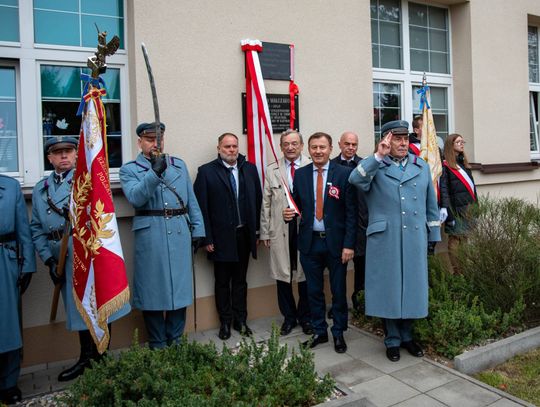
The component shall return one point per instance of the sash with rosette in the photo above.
(415, 148)
(462, 175)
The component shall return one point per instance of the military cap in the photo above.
(58, 142)
(396, 127)
(148, 128)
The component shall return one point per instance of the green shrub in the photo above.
(194, 374)
(457, 318)
(501, 257)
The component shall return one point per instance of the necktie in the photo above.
(292, 171)
(401, 167)
(319, 198)
(233, 182)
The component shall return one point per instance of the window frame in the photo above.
(28, 57)
(13, 64)
(534, 87)
(407, 78)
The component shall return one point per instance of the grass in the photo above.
(519, 376)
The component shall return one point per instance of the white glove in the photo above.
(443, 214)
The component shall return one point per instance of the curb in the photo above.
(498, 352)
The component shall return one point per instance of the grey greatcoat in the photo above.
(273, 227)
(14, 220)
(403, 217)
(163, 277)
(45, 222)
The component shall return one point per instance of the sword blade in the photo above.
(154, 96)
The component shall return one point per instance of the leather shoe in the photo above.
(413, 348)
(286, 328)
(74, 371)
(315, 340)
(307, 328)
(392, 353)
(242, 328)
(10, 396)
(339, 344)
(224, 331)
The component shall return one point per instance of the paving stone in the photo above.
(61, 363)
(363, 346)
(26, 384)
(33, 368)
(424, 376)
(377, 358)
(385, 391)
(462, 393)
(326, 357)
(419, 401)
(352, 372)
(505, 403)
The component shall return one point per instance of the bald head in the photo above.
(348, 144)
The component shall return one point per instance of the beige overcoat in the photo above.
(273, 227)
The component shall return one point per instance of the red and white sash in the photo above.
(462, 175)
(415, 148)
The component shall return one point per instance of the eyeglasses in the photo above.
(460, 142)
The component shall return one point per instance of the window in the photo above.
(409, 39)
(73, 22)
(8, 121)
(9, 20)
(61, 90)
(40, 85)
(534, 91)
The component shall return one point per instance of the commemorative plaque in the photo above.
(275, 61)
(279, 106)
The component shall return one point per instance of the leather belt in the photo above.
(8, 237)
(161, 212)
(321, 235)
(55, 234)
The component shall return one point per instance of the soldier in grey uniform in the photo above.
(50, 201)
(167, 221)
(17, 262)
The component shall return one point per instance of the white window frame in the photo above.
(14, 64)
(28, 57)
(407, 78)
(535, 87)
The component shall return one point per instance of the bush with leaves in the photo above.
(194, 374)
(501, 256)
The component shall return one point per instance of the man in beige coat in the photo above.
(281, 237)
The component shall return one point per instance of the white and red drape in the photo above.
(259, 126)
(100, 285)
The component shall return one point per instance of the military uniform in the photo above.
(167, 217)
(16, 259)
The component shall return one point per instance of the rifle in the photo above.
(60, 269)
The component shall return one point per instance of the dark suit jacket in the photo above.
(362, 207)
(218, 206)
(340, 214)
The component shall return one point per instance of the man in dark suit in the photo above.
(228, 190)
(348, 145)
(326, 235)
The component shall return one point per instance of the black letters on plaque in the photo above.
(275, 61)
(280, 112)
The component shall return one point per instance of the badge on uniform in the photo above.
(333, 192)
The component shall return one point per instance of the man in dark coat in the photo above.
(348, 145)
(326, 235)
(229, 193)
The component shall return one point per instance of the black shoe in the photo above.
(392, 353)
(10, 396)
(74, 371)
(315, 340)
(413, 348)
(286, 328)
(330, 314)
(307, 328)
(242, 328)
(339, 344)
(224, 331)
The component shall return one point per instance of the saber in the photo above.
(194, 289)
(154, 97)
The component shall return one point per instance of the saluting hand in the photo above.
(383, 149)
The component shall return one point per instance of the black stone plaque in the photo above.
(280, 112)
(275, 61)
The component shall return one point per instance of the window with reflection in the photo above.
(9, 20)
(428, 38)
(439, 108)
(386, 105)
(386, 33)
(61, 90)
(534, 89)
(8, 121)
(73, 22)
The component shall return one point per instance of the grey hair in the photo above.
(290, 131)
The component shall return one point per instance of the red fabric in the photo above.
(319, 199)
(293, 90)
(457, 173)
